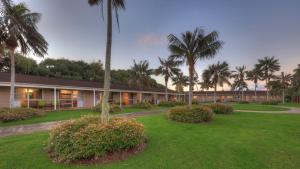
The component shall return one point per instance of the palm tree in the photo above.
(285, 80)
(216, 74)
(239, 83)
(116, 5)
(296, 79)
(192, 47)
(180, 81)
(19, 29)
(254, 75)
(168, 68)
(268, 65)
(141, 74)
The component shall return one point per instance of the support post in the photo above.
(28, 103)
(120, 100)
(94, 92)
(54, 99)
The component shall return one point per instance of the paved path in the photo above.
(31, 128)
(292, 110)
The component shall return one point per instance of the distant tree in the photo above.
(268, 66)
(296, 81)
(216, 74)
(180, 81)
(239, 83)
(141, 74)
(254, 75)
(194, 46)
(285, 81)
(168, 68)
(19, 30)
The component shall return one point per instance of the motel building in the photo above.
(58, 93)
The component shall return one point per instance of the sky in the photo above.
(250, 30)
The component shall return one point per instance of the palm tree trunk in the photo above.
(283, 101)
(191, 78)
(105, 104)
(12, 78)
(255, 96)
(267, 89)
(166, 90)
(215, 94)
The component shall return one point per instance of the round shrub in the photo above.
(143, 105)
(89, 139)
(14, 114)
(113, 108)
(194, 114)
(219, 108)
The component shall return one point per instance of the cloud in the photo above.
(152, 40)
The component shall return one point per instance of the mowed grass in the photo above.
(240, 140)
(258, 107)
(297, 105)
(66, 115)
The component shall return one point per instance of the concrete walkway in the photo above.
(292, 110)
(31, 128)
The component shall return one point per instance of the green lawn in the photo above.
(240, 140)
(65, 115)
(258, 107)
(291, 105)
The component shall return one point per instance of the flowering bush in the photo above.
(87, 138)
(14, 114)
(113, 108)
(143, 105)
(219, 108)
(194, 114)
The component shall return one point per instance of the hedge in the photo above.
(14, 114)
(219, 108)
(194, 114)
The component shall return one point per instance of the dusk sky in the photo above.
(251, 29)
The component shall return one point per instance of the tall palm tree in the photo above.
(216, 74)
(285, 81)
(115, 5)
(19, 29)
(268, 65)
(254, 75)
(168, 68)
(296, 79)
(239, 83)
(194, 46)
(141, 74)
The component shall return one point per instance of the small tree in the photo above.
(285, 80)
(254, 75)
(168, 68)
(216, 74)
(239, 83)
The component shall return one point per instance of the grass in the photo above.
(297, 105)
(65, 115)
(240, 140)
(258, 107)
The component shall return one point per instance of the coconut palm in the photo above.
(267, 66)
(141, 74)
(254, 75)
(239, 83)
(115, 5)
(216, 74)
(168, 68)
(19, 30)
(285, 80)
(180, 81)
(194, 46)
(296, 79)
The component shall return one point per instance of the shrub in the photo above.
(243, 102)
(143, 105)
(194, 114)
(87, 138)
(41, 103)
(7, 115)
(170, 104)
(271, 102)
(113, 108)
(221, 108)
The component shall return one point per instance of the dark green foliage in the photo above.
(87, 138)
(7, 115)
(143, 105)
(170, 104)
(219, 108)
(194, 114)
(243, 102)
(113, 108)
(271, 102)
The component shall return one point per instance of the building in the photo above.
(59, 93)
